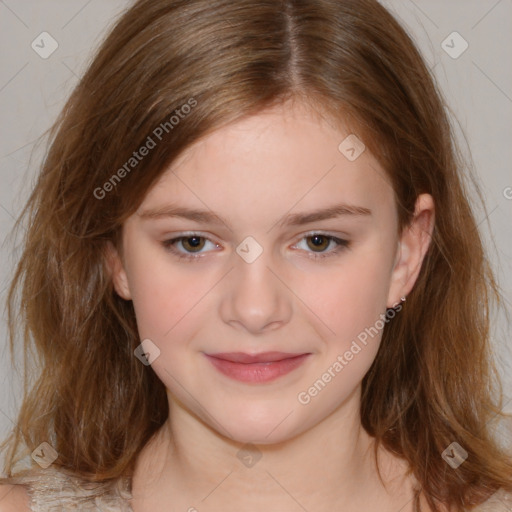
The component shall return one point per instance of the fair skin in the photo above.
(253, 173)
(315, 455)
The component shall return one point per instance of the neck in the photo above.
(196, 467)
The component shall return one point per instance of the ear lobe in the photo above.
(117, 272)
(412, 247)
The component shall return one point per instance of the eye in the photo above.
(322, 241)
(192, 243)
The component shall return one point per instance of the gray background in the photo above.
(477, 86)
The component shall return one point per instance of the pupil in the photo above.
(317, 240)
(193, 242)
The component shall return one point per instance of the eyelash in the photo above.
(342, 245)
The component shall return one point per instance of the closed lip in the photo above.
(263, 357)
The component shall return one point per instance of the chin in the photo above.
(260, 426)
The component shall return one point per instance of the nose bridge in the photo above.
(256, 297)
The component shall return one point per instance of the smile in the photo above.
(258, 368)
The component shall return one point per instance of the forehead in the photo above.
(280, 159)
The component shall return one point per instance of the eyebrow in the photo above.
(294, 219)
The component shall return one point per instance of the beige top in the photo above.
(55, 490)
(52, 490)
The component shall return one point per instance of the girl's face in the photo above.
(267, 236)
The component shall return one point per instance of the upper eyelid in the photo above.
(187, 234)
(190, 234)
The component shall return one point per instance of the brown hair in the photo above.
(432, 381)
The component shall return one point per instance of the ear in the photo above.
(117, 271)
(412, 247)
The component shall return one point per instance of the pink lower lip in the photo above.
(257, 372)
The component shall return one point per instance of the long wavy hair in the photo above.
(433, 381)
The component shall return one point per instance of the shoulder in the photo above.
(14, 498)
(501, 501)
(56, 489)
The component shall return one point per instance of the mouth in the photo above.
(257, 368)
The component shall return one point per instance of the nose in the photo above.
(255, 298)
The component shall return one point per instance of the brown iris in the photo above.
(196, 244)
(316, 238)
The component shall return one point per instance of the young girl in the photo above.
(253, 278)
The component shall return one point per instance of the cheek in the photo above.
(164, 296)
(350, 296)
(350, 301)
